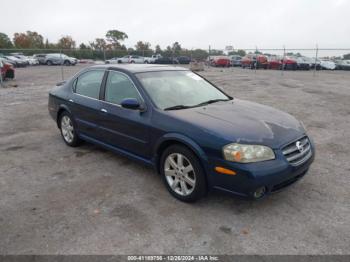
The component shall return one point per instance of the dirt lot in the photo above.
(59, 200)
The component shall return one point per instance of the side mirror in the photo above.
(131, 103)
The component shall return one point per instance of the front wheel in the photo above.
(67, 128)
(183, 174)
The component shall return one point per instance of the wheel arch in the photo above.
(178, 139)
(62, 108)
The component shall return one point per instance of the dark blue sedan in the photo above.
(196, 136)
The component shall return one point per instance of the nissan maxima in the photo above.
(194, 134)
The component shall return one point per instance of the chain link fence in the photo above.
(91, 56)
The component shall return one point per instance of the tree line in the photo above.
(100, 48)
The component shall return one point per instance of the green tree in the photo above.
(176, 48)
(142, 46)
(83, 46)
(158, 50)
(239, 52)
(168, 52)
(98, 44)
(115, 37)
(5, 41)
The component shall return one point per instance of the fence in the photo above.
(194, 53)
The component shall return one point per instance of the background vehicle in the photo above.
(274, 62)
(17, 62)
(235, 60)
(327, 64)
(60, 59)
(302, 64)
(40, 58)
(132, 59)
(289, 63)
(165, 60)
(254, 61)
(7, 70)
(183, 60)
(343, 64)
(313, 63)
(152, 59)
(113, 60)
(29, 59)
(222, 61)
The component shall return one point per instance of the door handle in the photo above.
(71, 100)
(104, 110)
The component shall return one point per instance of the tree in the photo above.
(239, 52)
(66, 42)
(216, 52)
(176, 48)
(168, 51)
(83, 46)
(5, 41)
(28, 40)
(142, 46)
(115, 37)
(158, 49)
(98, 44)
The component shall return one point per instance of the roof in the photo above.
(139, 68)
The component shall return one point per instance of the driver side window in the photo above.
(119, 87)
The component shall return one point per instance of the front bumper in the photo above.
(274, 175)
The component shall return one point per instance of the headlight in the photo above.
(247, 153)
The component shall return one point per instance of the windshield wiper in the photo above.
(212, 101)
(177, 107)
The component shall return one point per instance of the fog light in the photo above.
(260, 192)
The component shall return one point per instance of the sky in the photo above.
(193, 23)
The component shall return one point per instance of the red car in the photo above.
(7, 70)
(253, 60)
(289, 63)
(221, 61)
(275, 62)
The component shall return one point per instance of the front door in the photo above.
(124, 128)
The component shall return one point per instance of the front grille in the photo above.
(298, 151)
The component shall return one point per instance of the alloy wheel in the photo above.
(179, 174)
(67, 129)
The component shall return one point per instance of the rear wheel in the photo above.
(182, 174)
(49, 62)
(67, 128)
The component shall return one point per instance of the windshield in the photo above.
(173, 88)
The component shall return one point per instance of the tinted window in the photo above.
(119, 87)
(89, 83)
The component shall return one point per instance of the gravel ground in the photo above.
(60, 200)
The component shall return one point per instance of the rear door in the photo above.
(124, 128)
(85, 101)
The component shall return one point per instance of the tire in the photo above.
(67, 63)
(49, 62)
(187, 186)
(146, 62)
(68, 127)
(132, 62)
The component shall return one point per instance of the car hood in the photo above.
(243, 122)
